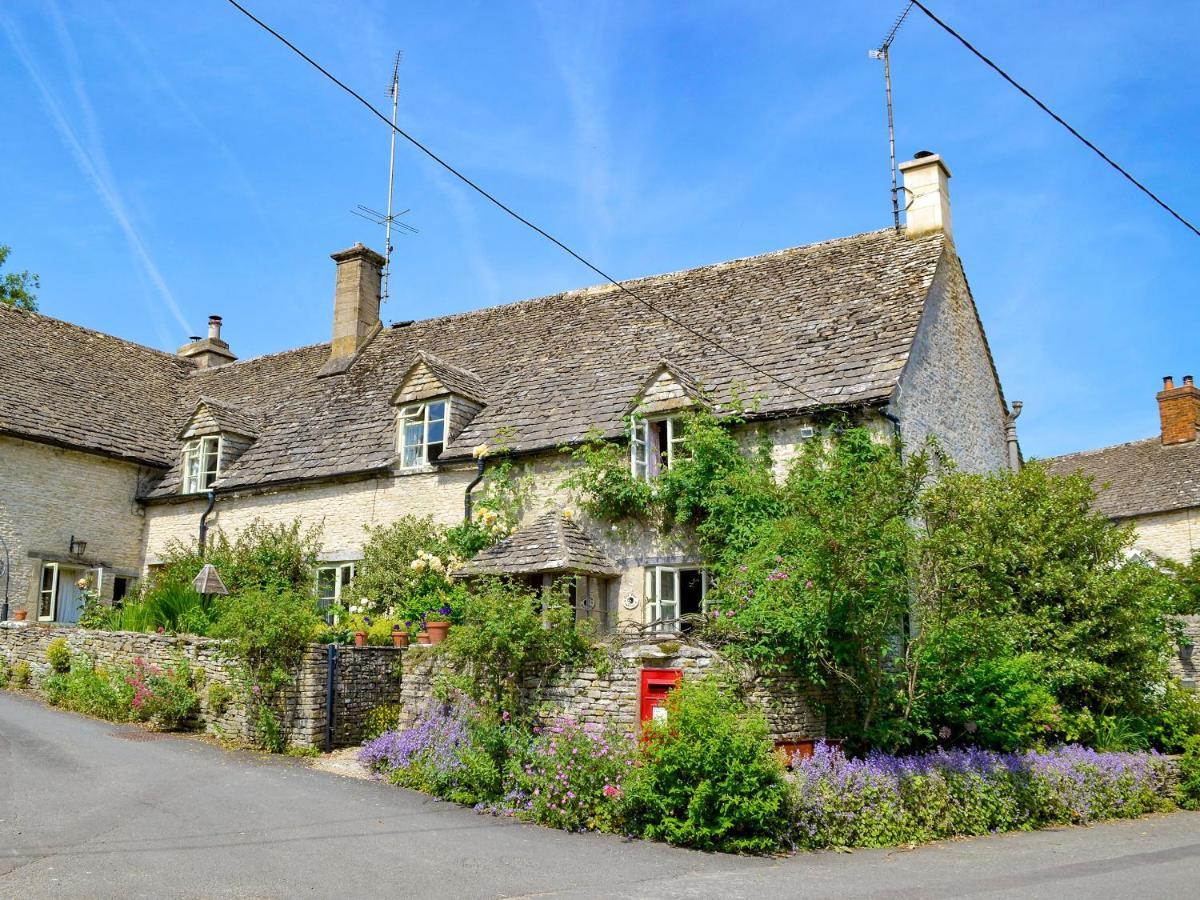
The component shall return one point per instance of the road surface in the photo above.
(93, 809)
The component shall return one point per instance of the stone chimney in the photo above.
(1179, 410)
(204, 353)
(355, 305)
(925, 196)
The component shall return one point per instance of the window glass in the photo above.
(638, 455)
(46, 594)
(201, 463)
(331, 581)
(422, 433)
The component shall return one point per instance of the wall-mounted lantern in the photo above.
(77, 547)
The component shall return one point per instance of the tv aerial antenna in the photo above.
(882, 53)
(390, 218)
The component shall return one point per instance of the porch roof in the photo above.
(550, 543)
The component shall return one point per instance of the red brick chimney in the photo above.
(1179, 410)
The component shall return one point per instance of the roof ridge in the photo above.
(182, 363)
(1095, 450)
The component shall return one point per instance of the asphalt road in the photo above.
(86, 811)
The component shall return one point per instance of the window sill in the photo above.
(422, 469)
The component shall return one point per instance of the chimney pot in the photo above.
(214, 328)
(1168, 382)
(1187, 381)
(926, 195)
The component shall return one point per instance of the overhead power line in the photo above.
(520, 218)
(1055, 116)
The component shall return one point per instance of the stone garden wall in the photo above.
(1185, 665)
(365, 678)
(590, 694)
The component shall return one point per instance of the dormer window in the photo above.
(201, 463)
(654, 445)
(422, 432)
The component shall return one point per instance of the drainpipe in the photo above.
(331, 664)
(212, 501)
(1010, 436)
(895, 427)
(7, 567)
(470, 487)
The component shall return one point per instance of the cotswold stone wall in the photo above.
(1185, 665)
(364, 678)
(1174, 535)
(948, 389)
(591, 694)
(48, 496)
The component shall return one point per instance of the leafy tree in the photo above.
(17, 288)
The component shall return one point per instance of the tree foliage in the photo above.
(18, 288)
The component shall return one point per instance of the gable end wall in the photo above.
(948, 389)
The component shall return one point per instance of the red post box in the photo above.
(656, 684)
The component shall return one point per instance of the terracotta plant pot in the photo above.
(19, 615)
(399, 638)
(437, 631)
(360, 639)
(423, 637)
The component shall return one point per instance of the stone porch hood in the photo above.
(549, 544)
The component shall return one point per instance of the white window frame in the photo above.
(646, 457)
(343, 577)
(202, 451)
(656, 613)
(51, 569)
(414, 413)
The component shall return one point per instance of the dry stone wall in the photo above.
(612, 692)
(365, 677)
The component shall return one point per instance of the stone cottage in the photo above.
(1153, 483)
(109, 451)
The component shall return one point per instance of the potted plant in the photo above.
(400, 634)
(19, 615)
(360, 639)
(437, 622)
(423, 633)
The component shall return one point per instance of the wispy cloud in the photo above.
(89, 154)
(581, 48)
(464, 208)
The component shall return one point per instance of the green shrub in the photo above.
(384, 717)
(265, 632)
(164, 698)
(88, 690)
(4, 674)
(506, 630)
(219, 697)
(1189, 774)
(58, 655)
(708, 776)
(573, 776)
(22, 674)
(1174, 718)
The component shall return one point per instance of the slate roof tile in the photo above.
(550, 543)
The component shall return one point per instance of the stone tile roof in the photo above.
(228, 418)
(453, 378)
(837, 319)
(550, 543)
(75, 387)
(1138, 478)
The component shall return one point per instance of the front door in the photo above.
(70, 601)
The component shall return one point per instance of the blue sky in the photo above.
(164, 161)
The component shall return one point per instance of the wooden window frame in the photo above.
(206, 451)
(652, 596)
(419, 413)
(647, 458)
(48, 568)
(343, 577)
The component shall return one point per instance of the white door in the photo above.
(70, 600)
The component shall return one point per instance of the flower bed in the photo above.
(885, 800)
